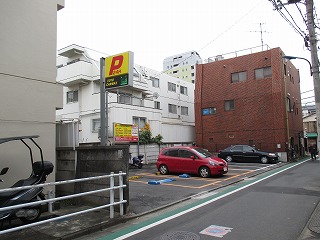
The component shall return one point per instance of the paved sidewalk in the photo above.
(312, 228)
(66, 228)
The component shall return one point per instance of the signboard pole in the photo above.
(138, 135)
(102, 104)
(106, 121)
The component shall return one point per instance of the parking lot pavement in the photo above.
(145, 196)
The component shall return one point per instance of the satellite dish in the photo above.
(155, 95)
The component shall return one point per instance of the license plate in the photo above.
(225, 169)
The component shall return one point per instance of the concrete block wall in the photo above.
(91, 161)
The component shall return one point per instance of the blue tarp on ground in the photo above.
(155, 182)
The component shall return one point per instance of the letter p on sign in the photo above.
(117, 65)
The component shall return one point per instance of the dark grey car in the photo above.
(245, 153)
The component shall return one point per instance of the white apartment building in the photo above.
(29, 93)
(165, 102)
(182, 66)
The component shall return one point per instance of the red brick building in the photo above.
(252, 99)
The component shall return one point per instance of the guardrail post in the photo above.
(112, 195)
(50, 204)
(121, 192)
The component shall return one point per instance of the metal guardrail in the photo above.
(51, 199)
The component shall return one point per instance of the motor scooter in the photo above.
(136, 161)
(40, 171)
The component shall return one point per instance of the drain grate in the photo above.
(180, 235)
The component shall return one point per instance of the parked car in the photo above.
(190, 159)
(245, 153)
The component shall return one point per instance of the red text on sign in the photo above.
(115, 65)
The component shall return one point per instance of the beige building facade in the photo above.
(29, 93)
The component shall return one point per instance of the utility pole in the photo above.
(315, 62)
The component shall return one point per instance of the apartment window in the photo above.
(229, 105)
(172, 87)
(95, 125)
(192, 74)
(183, 90)
(72, 96)
(192, 67)
(209, 111)
(124, 98)
(172, 108)
(288, 105)
(96, 87)
(157, 105)
(155, 82)
(238, 77)
(262, 73)
(175, 72)
(184, 111)
(139, 121)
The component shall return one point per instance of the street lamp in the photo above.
(292, 57)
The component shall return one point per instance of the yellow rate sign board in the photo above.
(125, 133)
(119, 70)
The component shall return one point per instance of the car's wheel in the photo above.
(228, 158)
(264, 159)
(163, 169)
(204, 172)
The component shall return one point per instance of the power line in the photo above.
(293, 25)
(308, 91)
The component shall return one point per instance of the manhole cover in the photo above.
(181, 235)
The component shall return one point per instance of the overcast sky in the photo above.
(154, 30)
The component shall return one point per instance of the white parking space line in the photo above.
(239, 169)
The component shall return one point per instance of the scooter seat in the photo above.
(21, 183)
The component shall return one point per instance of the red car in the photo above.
(190, 159)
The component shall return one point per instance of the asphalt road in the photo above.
(273, 205)
(145, 197)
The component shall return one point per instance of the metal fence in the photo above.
(52, 199)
